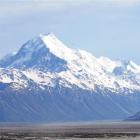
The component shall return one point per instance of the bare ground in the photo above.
(71, 131)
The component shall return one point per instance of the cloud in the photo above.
(35, 4)
(122, 2)
(16, 7)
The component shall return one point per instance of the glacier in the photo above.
(46, 81)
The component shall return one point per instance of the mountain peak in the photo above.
(56, 47)
(51, 34)
(47, 53)
(43, 52)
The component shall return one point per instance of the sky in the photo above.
(108, 28)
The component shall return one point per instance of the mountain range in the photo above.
(46, 81)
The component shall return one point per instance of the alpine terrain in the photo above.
(45, 81)
(135, 117)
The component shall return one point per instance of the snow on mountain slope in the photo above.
(108, 64)
(66, 81)
(46, 55)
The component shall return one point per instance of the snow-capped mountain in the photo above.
(47, 81)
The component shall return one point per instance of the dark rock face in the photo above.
(36, 55)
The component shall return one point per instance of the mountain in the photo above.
(135, 117)
(45, 81)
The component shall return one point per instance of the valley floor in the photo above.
(71, 131)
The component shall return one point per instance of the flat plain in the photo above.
(71, 131)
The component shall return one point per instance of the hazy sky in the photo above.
(104, 27)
